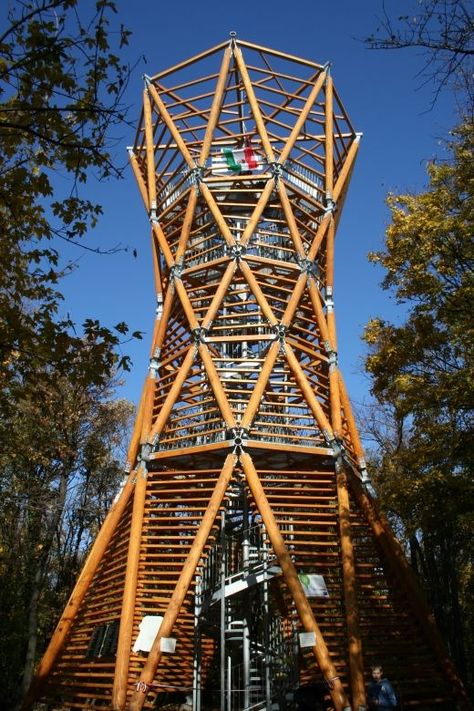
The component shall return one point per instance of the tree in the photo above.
(61, 98)
(444, 31)
(61, 463)
(61, 89)
(423, 374)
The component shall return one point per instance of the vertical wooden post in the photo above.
(356, 661)
(150, 151)
(80, 589)
(119, 692)
(329, 147)
(139, 178)
(296, 589)
(351, 423)
(184, 581)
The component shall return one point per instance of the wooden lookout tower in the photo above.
(243, 563)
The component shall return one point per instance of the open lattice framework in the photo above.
(243, 157)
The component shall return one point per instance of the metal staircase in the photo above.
(255, 657)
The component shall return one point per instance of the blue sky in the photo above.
(384, 98)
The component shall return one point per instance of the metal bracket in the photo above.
(239, 437)
(308, 267)
(237, 251)
(279, 329)
(332, 358)
(153, 215)
(329, 300)
(145, 454)
(199, 335)
(153, 367)
(196, 175)
(276, 169)
(176, 271)
(330, 205)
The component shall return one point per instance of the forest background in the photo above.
(67, 75)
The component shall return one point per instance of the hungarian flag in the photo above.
(236, 160)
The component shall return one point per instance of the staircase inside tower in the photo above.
(243, 532)
(237, 604)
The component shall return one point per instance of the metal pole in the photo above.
(229, 683)
(197, 647)
(266, 633)
(222, 646)
(245, 627)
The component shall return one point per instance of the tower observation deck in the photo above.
(244, 564)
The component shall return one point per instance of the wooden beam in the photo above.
(303, 607)
(80, 589)
(356, 660)
(184, 581)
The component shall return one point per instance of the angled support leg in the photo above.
(305, 612)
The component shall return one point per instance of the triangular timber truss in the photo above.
(244, 522)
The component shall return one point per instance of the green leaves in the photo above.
(57, 111)
(422, 374)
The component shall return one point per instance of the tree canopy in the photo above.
(423, 375)
(61, 89)
(61, 101)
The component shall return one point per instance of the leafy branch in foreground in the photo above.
(62, 83)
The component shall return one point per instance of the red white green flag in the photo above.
(236, 160)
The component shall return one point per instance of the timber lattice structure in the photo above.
(244, 526)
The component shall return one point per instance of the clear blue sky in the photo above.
(381, 92)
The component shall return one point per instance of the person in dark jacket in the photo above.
(381, 695)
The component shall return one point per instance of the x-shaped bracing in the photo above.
(241, 461)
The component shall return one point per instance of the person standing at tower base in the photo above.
(381, 695)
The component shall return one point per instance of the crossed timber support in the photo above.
(243, 173)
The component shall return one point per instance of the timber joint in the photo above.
(176, 271)
(279, 329)
(239, 437)
(308, 266)
(237, 251)
(276, 169)
(197, 175)
(199, 335)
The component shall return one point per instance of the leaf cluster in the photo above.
(61, 97)
(61, 461)
(422, 374)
